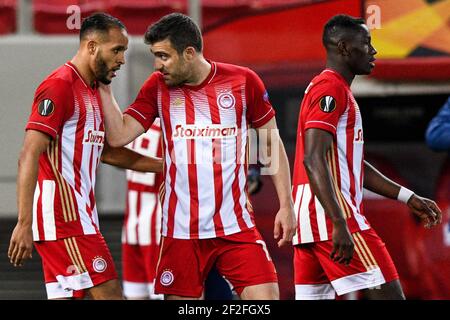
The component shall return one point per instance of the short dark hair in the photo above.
(181, 30)
(338, 26)
(101, 22)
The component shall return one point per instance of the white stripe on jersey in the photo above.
(344, 170)
(242, 176)
(132, 220)
(68, 138)
(34, 225)
(204, 163)
(157, 228)
(148, 203)
(85, 219)
(86, 153)
(305, 223)
(228, 155)
(298, 196)
(48, 213)
(321, 221)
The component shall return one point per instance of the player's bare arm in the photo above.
(285, 221)
(128, 159)
(21, 243)
(426, 209)
(120, 129)
(317, 144)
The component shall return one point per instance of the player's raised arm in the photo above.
(426, 209)
(128, 159)
(285, 221)
(21, 243)
(120, 129)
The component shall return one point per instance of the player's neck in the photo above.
(200, 73)
(83, 68)
(342, 70)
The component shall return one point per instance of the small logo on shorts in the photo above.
(99, 264)
(166, 278)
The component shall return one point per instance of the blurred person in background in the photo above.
(438, 132)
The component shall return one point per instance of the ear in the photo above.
(91, 46)
(343, 48)
(189, 53)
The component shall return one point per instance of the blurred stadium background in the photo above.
(281, 40)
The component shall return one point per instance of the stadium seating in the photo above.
(218, 11)
(50, 16)
(7, 16)
(137, 15)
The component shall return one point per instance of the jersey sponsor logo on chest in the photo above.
(212, 131)
(94, 137)
(359, 138)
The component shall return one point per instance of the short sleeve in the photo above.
(326, 102)
(145, 108)
(53, 104)
(259, 108)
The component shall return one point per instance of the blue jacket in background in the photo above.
(438, 132)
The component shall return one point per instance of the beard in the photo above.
(101, 70)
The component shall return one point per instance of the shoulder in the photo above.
(324, 84)
(231, 70)
(153, 81)
(57, 87)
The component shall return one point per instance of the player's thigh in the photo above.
(75, 263)
(245, 262)
(371, 265)
(311, 281)
(180, 269)
(109, 290)
(264, 291)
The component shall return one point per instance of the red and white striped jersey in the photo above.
(205, 144)
(142, 223)
(328, 104)
(68, 110)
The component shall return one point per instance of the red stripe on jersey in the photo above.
(138, 213)
(192, 170)
(236, 191)
(78, 152)
(154, 216)
(125, 221)
(313, 216)
(165, 97)
(217, 163)
(298, 212)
